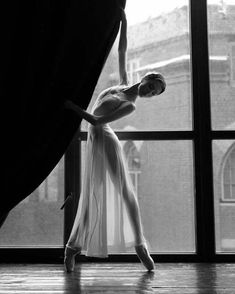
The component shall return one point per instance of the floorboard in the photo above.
(195, 278)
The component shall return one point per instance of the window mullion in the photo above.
(72, 174)
(202, 128)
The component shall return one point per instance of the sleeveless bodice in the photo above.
(108, 101)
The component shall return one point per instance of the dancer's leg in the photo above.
(119, 173)
(73, 247)
(69, 257)
(118, 169)
(134, 212)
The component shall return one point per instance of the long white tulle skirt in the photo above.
(102, 223)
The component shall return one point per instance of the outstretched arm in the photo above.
(124, 109)
(122, 48)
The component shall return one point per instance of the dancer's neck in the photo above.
(131, 92)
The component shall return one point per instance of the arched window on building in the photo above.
(133, 75)
(232, 64)
(229, 177)
(49, 188)
(133, 160)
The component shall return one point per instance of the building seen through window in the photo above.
(132, 71)
(134, 163)
(232, 61)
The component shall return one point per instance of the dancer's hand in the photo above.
(123, 14)
(92, 119)
(122, 49)
(69, 104)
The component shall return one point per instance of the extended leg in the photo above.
(118, 169)
(119, 173)
(134, 213)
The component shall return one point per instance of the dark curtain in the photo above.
(51, 51)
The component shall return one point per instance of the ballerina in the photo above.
(108, 215)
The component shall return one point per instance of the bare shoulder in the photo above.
(111, 90)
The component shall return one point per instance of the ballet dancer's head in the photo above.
(153, 83)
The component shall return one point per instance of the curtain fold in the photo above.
(51, 51)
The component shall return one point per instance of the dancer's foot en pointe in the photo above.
(69, 257)
(144, 256)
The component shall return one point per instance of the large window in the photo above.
(168, 139)
(162, 171)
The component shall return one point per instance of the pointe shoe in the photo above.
(145, 258)
(69, 257)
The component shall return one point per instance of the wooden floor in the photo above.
(118, 278)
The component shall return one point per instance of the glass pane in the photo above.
(233, 191)
(221, 30)
(158, 40)
(37, 221)
(163, 177)
(224, 196)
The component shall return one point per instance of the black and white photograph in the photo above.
(118, 135)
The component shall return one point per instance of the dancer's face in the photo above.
(149, 87)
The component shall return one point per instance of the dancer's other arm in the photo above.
(124, 109)
(122, 48)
